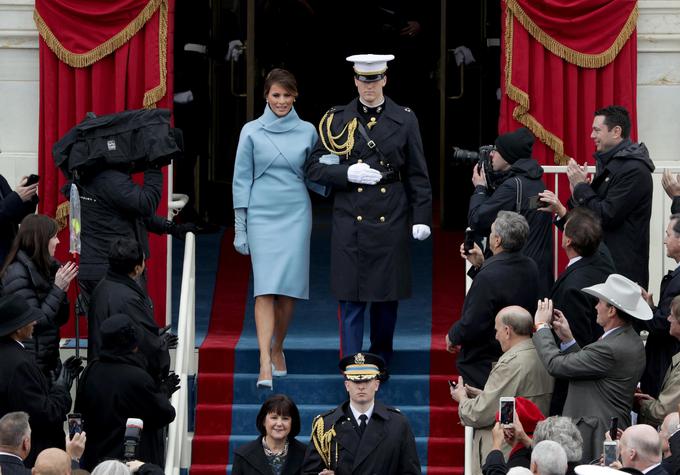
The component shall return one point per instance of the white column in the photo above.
(658, 104)
(18, 90)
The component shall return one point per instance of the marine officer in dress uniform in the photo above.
(362, 435)
(371, 154)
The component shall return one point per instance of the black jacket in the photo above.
(485, 205)
(114, 206)
(120, 294)
(22, 277)
(579, 307)
(387, 446)
(12, 211)
(661, 346)
(371, 238)
(621, 196)
(249, 459)
(23, 387)
(10, 465)
(508, 278)
(111, 390)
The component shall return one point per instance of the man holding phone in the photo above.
(14, 206)
(519, 372)
(602, 375)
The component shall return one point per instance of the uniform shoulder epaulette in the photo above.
(393, 409)
(335, 109)
(324, 414)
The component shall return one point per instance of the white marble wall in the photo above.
(18, 90)
(658, 106)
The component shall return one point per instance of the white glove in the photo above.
(363, 174)
(240, 237)
(421, 232)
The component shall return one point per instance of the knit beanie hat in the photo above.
(515, 145)
(119, 334)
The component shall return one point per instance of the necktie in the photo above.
(362, 424)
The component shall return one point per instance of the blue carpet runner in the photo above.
(228, 400)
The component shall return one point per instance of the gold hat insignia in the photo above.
(359, 359)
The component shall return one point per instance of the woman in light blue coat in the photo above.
(273, 215)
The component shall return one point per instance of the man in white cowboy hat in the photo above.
(602, 375)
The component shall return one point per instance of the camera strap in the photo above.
(518, 200)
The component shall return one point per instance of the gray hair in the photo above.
(519, 319)
(111, 467)
(549, 458)
(562, 430)
(513, 230)
(13, 428)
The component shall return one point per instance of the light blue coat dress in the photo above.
(269, 182)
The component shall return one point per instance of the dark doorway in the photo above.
(311, 38)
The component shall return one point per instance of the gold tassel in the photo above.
(521, 112)
(323, 440)
(152, 96)
(81, 60)
(583, 60)
(61, 215)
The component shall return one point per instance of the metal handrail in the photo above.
(556, 171)
(178, 453)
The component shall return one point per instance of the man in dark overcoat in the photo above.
(620, 193)
(589, 264)
(506, 278)
(119, 292)
(371, 154)
(362, 436)
(23, 386)
(118, 382)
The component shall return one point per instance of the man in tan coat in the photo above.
(652, 411)
(518, 372)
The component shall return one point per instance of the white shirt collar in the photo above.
(609, 331)
(651, 467)
(574, 260)
(356, 414)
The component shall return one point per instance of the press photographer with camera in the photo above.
(511, 181)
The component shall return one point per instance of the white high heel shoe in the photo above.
(279, 373)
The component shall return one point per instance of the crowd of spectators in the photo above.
(607, 354)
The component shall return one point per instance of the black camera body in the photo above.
(480, 158)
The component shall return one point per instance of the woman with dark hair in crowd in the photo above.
(276, 451)
(31, 271)
(273, 215)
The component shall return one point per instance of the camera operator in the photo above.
(114, 206)
(118, 382)
(518, 183)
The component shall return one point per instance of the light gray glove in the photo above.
(363, 174)
(240, 236)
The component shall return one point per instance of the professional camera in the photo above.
(131, 140)
(482, 159)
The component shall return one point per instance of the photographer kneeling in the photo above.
(515, 187)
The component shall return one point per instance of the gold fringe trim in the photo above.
(152, 96)
(81, 60)
(61, 215)
(583, 60)
(521, 112)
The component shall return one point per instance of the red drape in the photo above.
(103, 57)
(561, 62)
